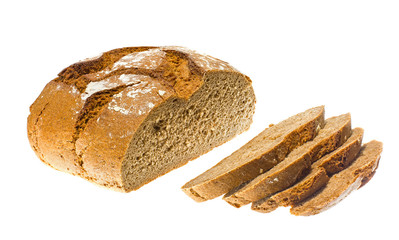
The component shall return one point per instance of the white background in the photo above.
(299, 54)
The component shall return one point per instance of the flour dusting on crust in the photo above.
(138, 99)
(94, 87)
(111, 82)
(149, 59)
(202, 60)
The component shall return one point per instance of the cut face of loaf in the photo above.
(257, 156)
(182, 130)
(131, 115)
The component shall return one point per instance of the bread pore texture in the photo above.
(130, 115)
(182, 130)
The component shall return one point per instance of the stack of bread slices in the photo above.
(306, 162)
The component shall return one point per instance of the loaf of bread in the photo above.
(130, 115)
(257, 156)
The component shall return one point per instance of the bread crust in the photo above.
(50, 131)
(83, 121)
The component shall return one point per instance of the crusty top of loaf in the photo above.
(103, 100)
(176, 67)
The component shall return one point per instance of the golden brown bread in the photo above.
(117, 120)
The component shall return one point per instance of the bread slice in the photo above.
(343, 183)
(258, 155)
(343, 156)
(317, 178)
(336, 131)
(133, 114)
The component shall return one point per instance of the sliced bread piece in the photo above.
(344, 182)
(260, 154)
(344, 156)
(336, 131)
(317, 178)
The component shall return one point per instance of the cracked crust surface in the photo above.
(72, 123)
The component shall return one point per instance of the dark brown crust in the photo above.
(71, 74)
(75, 74)
(77, 151)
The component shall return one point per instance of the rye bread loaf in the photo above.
(133, 114)
(257, 156)
(343, 183)
(296, 165)
(318, 177)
